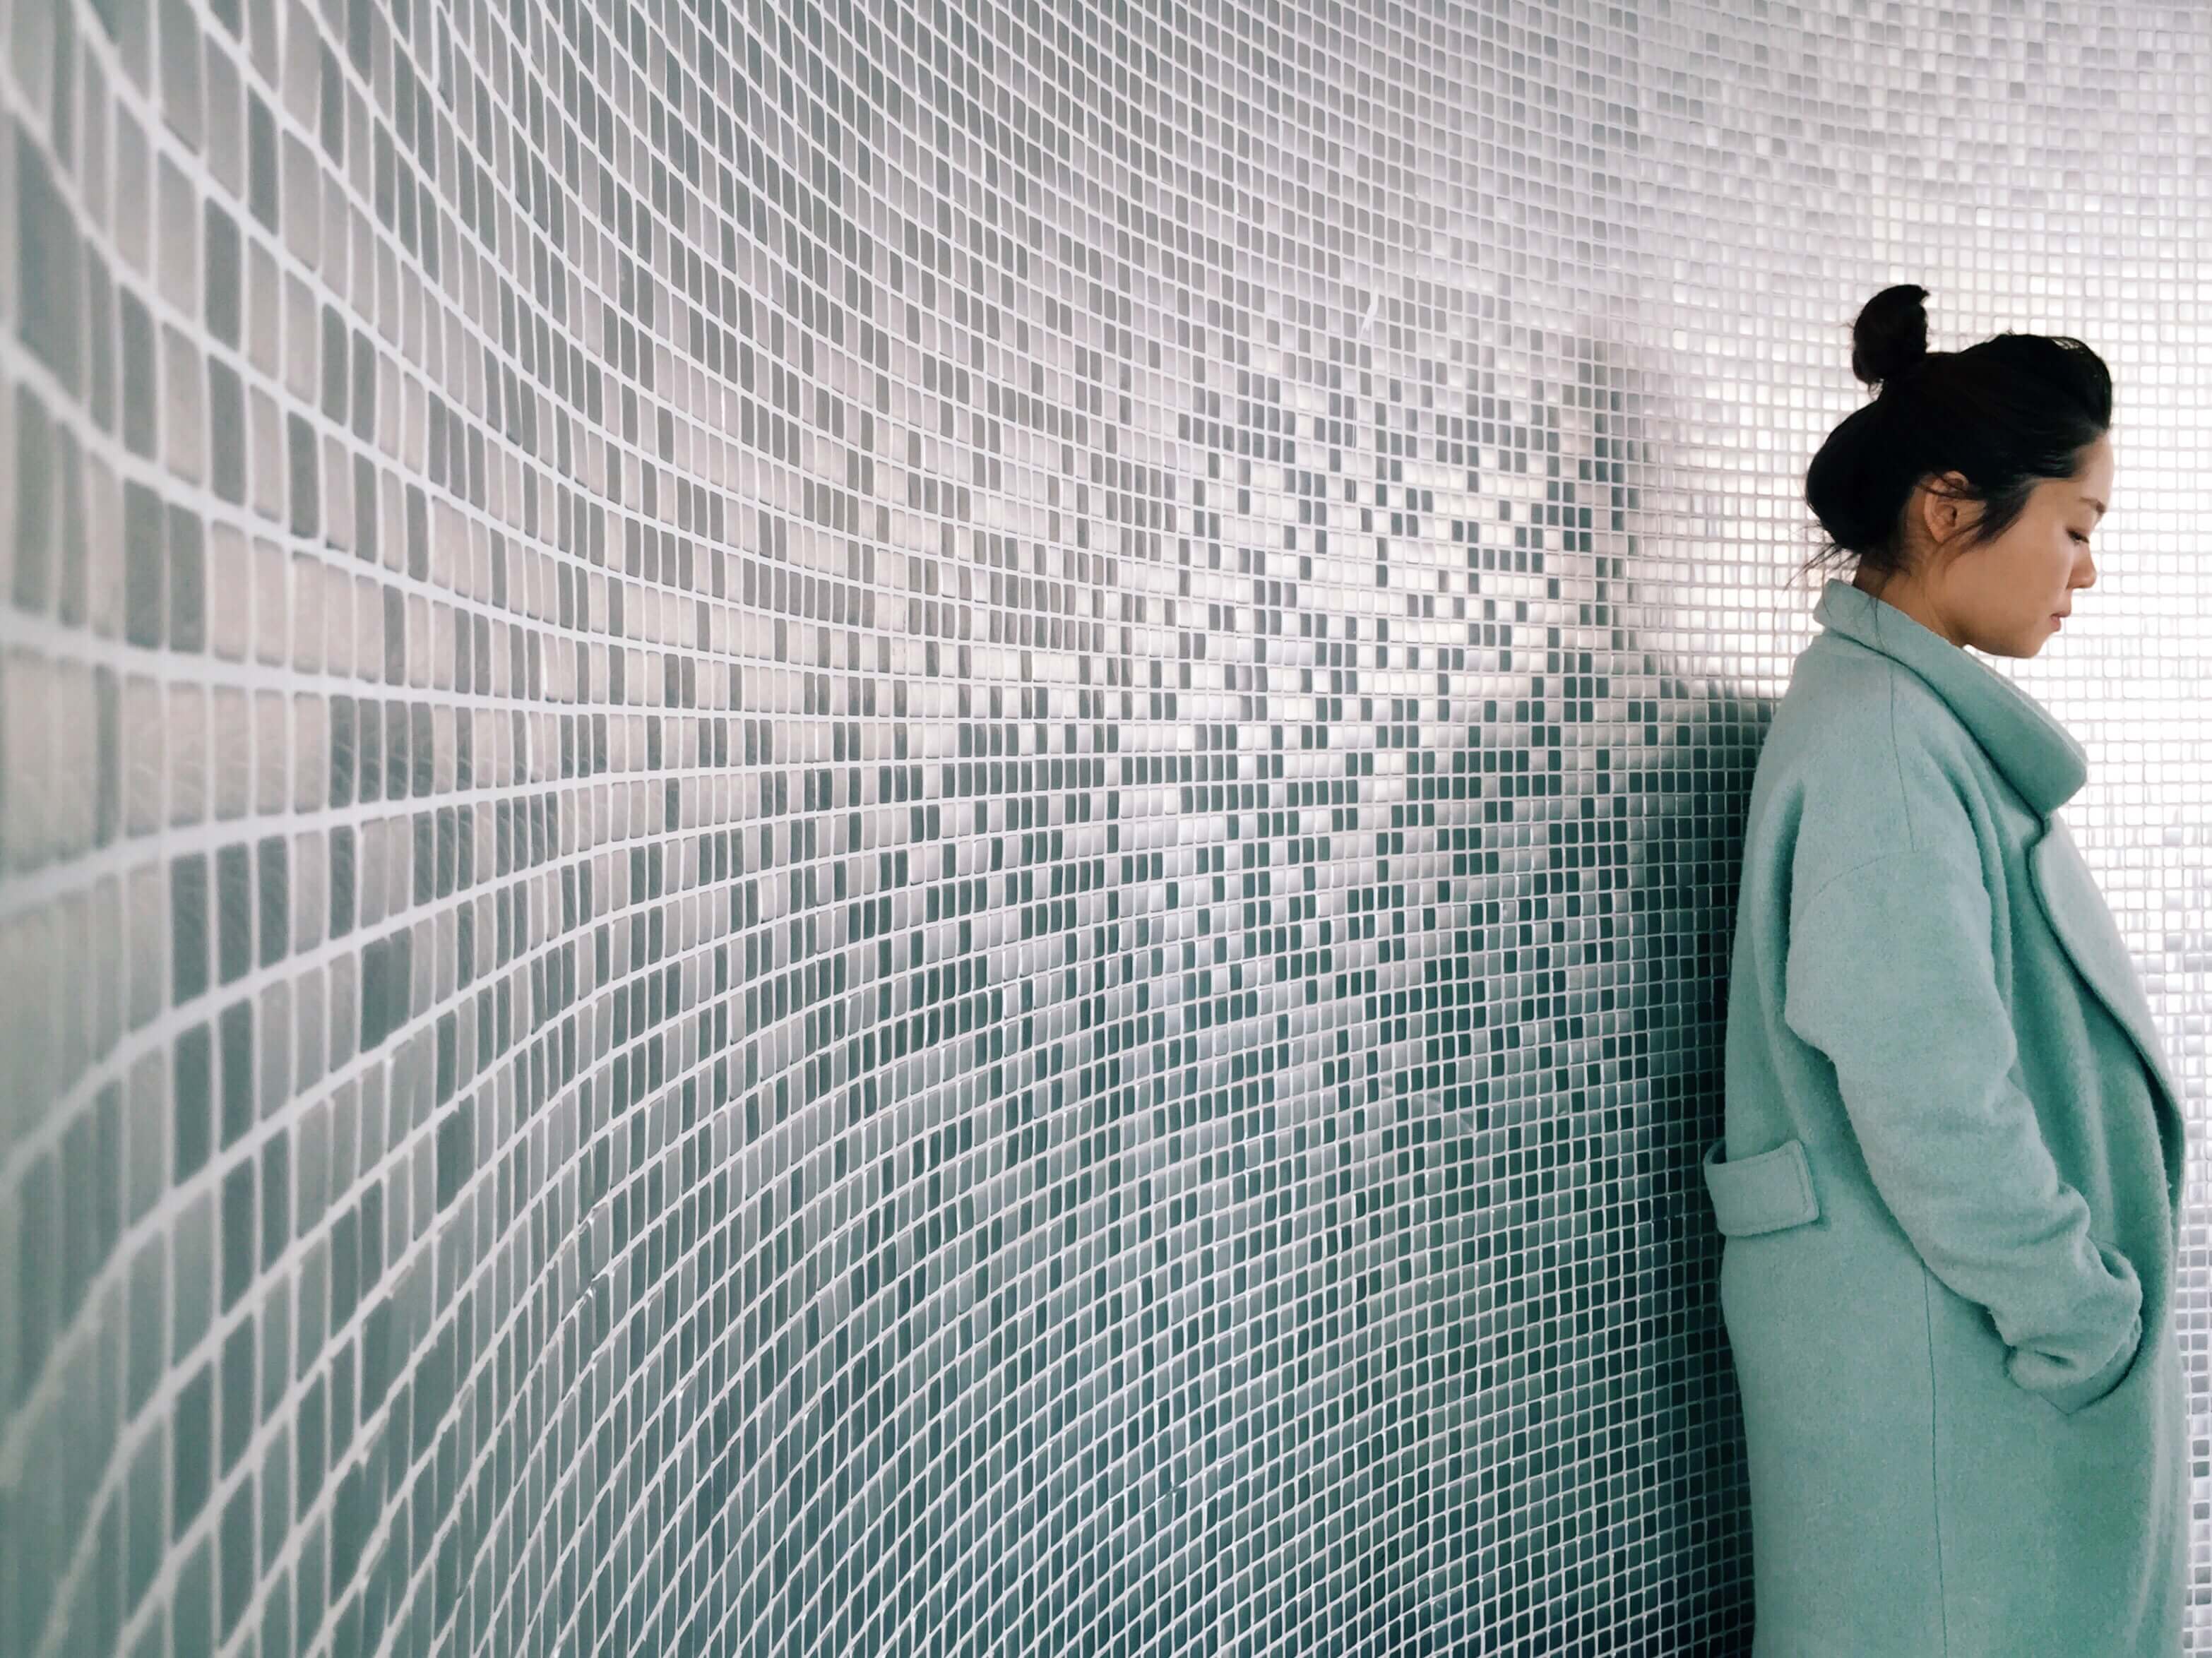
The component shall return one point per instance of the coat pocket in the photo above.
(2094, 1390)
(1762, 1194)
(2035, 1372)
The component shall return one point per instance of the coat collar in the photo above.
(2037, 755)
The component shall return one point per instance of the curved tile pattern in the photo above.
(905, 828)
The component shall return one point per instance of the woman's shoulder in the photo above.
(1864, 755)
(1847, 705)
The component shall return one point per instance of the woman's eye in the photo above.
(2084, 539)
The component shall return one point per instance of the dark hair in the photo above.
(2005, 415)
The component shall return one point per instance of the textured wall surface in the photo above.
(909, 829)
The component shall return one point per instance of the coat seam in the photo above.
(1891, 856)
(1935, 1478)
(1815, 896)
(1897, 759)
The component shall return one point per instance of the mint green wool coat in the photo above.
(1950, 1182)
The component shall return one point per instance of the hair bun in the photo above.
(1890, 334)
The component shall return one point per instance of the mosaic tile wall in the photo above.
(908, 830)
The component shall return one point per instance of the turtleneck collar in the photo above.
(2037, 755)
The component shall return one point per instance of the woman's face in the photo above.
(2006, 598)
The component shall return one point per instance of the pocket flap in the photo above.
(1762, 1194)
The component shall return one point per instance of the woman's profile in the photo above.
(1950, 1180)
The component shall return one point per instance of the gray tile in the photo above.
(48, 258)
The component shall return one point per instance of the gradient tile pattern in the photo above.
(882, 829)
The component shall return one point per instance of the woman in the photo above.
(1951, 1179)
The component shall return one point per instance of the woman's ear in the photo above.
(1944, 508)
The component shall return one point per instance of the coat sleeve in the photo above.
(1891, 974)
